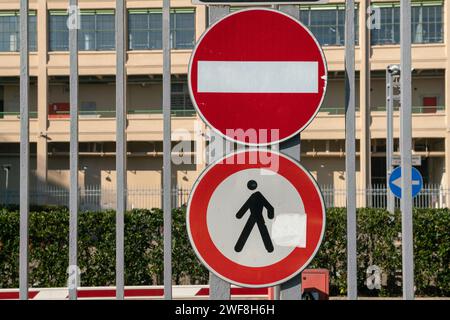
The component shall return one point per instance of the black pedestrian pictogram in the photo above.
(256, 203)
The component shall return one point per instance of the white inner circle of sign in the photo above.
(225, 228)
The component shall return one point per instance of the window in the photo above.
(86, 36)
(97, 31)
(10, 31)
(327, 23)
(426, 23)
(104, 30)
(180, 100)
(59, 34)
(389, 31)
(145, 29)
(182, 29)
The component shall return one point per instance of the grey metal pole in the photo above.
(405, 149)
(350, 157)
(218, 288)
(389, 137)
(73, 196)
(167, 163)
(24, 150)
(121, 145)
(291, 289)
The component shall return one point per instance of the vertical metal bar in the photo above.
(390, 206)
(24, 150)
(219, 289)
(350, 151)
(73, 197)
(405, 149)
(291, 289)
(167, 163)
(121, 145)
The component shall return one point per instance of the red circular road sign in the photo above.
(255, 218)
(257, 76)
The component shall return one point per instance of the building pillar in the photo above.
(364, 101)
(42, 95)
(446, 179)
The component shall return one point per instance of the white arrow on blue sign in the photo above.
(395, 181)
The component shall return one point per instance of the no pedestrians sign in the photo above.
(254, 222)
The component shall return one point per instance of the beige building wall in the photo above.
(11, 96)
(146, 170)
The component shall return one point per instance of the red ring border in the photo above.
(229, 270)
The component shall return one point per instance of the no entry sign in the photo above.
(255, 218)
(257, 76)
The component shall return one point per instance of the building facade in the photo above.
(322, 143)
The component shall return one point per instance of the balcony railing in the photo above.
(191, 112)
(334, 110)
(16, 114)
(99, 113)
(415, 109)
(175, 113)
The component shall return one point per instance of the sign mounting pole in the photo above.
(24, 150)
(389, 137)
(405, 150)
(218, 289)
(167, 147)
(350, 151)
(121, 146)
(292, 289)
(73, 199)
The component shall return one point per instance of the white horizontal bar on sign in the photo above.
(258, 76)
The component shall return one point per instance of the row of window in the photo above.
(97, 30)
(145, 27)
(426, 24)
(327, 23)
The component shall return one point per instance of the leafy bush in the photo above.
(378, 244)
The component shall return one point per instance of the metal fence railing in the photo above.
(98, 198)
(431, 196)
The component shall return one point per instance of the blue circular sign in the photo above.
(395, 183)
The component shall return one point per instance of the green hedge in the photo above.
(378, 244)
